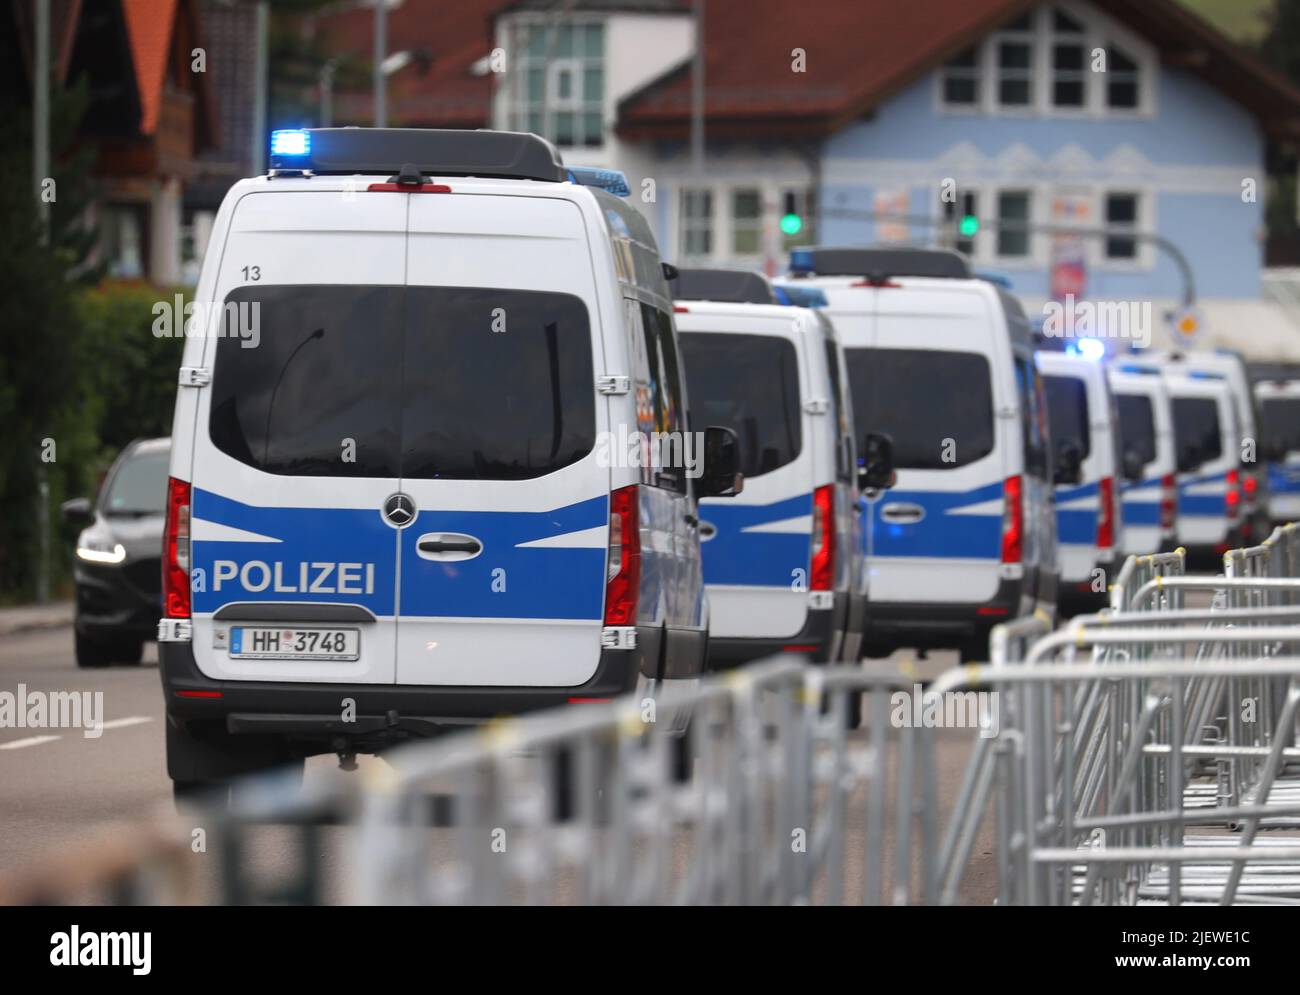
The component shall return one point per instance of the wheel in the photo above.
(106, 652)
(204, 761)
(93, 653)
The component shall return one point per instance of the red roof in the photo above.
(859, 52)
(149, 27)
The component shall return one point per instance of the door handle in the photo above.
(902, 514)
(707, 531)
(448, 546)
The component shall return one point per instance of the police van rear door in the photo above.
(296, 440)
(503, 566)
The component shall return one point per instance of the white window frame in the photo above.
(751, 224)
(1100, 31)
(714, 226)
(1026, 258)
(517, 106)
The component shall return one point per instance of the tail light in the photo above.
(176, 551)
(1106, 514)
(1168, 502)
(823, 540)
(1249, 486)
(1013, 521)
(1232, 499)
(624, 576)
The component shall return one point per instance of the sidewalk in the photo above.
(24, 617)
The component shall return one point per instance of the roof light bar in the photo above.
(610, 180)
(294, 142)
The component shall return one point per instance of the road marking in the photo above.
(18, 744)
(133, 720)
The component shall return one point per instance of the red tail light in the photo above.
(1013, 521)
(624, 577)
(1249, 485)
(1168, 502)
(176, 551)
(823, 540)
(1232, 499)
(1106, 513)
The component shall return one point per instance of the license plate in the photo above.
(248, 642)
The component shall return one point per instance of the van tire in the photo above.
(204, 761)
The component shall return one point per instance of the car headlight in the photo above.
(95, 551)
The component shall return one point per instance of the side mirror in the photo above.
(1069, 463)
(1132, 465)
(77, 511)
(671, 272)
(721, 476)
(877, 470)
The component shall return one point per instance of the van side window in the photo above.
(1067, 412)
(839, 416)
(1033, 418)
(666, 395)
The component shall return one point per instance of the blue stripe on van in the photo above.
(756, 559)
(1077, 526)
(1140, 512)
(1283, 478)
(1201, 505)
(945, 531)
(321, 546)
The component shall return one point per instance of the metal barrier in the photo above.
(1136, 755)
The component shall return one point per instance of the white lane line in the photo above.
(133, 720)
(18, 744)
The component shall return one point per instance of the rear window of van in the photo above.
(936, 405)
(1137, 425)
(1281, 416)
(749, 383)
(461, 383)
(1067, 411)
(1196, 431)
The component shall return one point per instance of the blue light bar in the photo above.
(802, 296)
(1092, 349)
(293, 143)
(997, 279)
(1203, 375)
(610, 180)
(802, 261)
(1148, 371)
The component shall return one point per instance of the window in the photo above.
(1014, 49)
(394, 369)
(956, 404)
(1123, 81)
(139, 487)
(1069, 55)
(961, 79)
(967, 203)
(1281, 418)
(697, 223)
(665, 392)
(1196, 432)
(560, 83)
(1033, 418)
(1137, 426)
(749, 383)
(1121, 215)
(1013, 211)
(1067, 412)
(844, 463)
(746, 222)
(123, 239)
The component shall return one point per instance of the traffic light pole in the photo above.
(1159, 241)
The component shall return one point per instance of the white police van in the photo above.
(1206, 439)
(421, 495)
(942, 364)
(1279, 403)
(783, 562)
(1149, 494)
(1252, 471)
(1089, 522)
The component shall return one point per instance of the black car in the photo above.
(119, 556)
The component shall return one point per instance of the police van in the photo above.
(425, 492)
(1252, 471)
(1149, 492)
(783, 562)
(942, 364)
(1089, 522)
(1206, 440)
(1279, 402)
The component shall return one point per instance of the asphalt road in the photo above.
(60, 788)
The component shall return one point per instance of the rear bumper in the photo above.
(945, 626)
(814, 640)
(381, 714)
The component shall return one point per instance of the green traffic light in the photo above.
(791, 224)
(968, 226)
